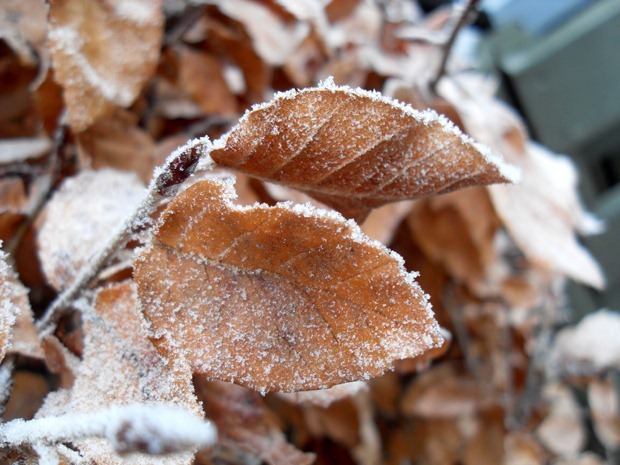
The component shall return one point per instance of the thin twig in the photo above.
(467, 8)
(177, 168)
(44, 187)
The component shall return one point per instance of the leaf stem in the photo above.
(176, 169)
(467, 7)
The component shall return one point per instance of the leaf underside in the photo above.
(282, 298)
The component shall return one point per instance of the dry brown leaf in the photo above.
(523, 449)
(355, 149)
(201, 76)
(103, 52)
(463, 226)
(118, 143)
(274, 39)
(605, 412)
(443, 392)
(120, 366)
(80, 218)
(282, 298)
(246, 426)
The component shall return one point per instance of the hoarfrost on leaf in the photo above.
(321, 303)
(355, 149)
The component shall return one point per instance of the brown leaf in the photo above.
(118, 143)
(246, 427)
(103, 52)
(81, 217)
(355, 149)
(281, 298)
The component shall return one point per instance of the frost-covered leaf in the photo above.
(103, 53)
(23, 27)
(355, 149)
(281, 298)
(589, 347)
(246, 427)
(80, 218)
(120, 366)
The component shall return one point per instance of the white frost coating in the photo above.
(8, 310)
(153, 429)
(425, 117)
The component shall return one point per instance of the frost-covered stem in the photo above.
(177, 168)
(6, 380)
(152, 429)
(467, 7)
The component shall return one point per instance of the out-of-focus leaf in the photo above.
(356, 150)
(103, 52)
(281, 298)
(81, 217)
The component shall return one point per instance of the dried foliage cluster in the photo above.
(263, 276)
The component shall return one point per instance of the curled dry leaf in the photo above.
(80, 218)
(282, 298)
(120, 366)
(356, 150)
(103, 52)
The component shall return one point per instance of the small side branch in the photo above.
(467, 7)
(178, 167)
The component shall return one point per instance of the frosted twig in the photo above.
(467, 7)
(176, 169)
(155, 429)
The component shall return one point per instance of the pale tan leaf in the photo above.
(80, 218)
(119, 367)
(355, 149)
(281, 298)
(562, 431)
(523, 449)
(103, 52)
(605, 412)
(589, 347)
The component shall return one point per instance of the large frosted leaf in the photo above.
(355, 149)
(281, 298)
